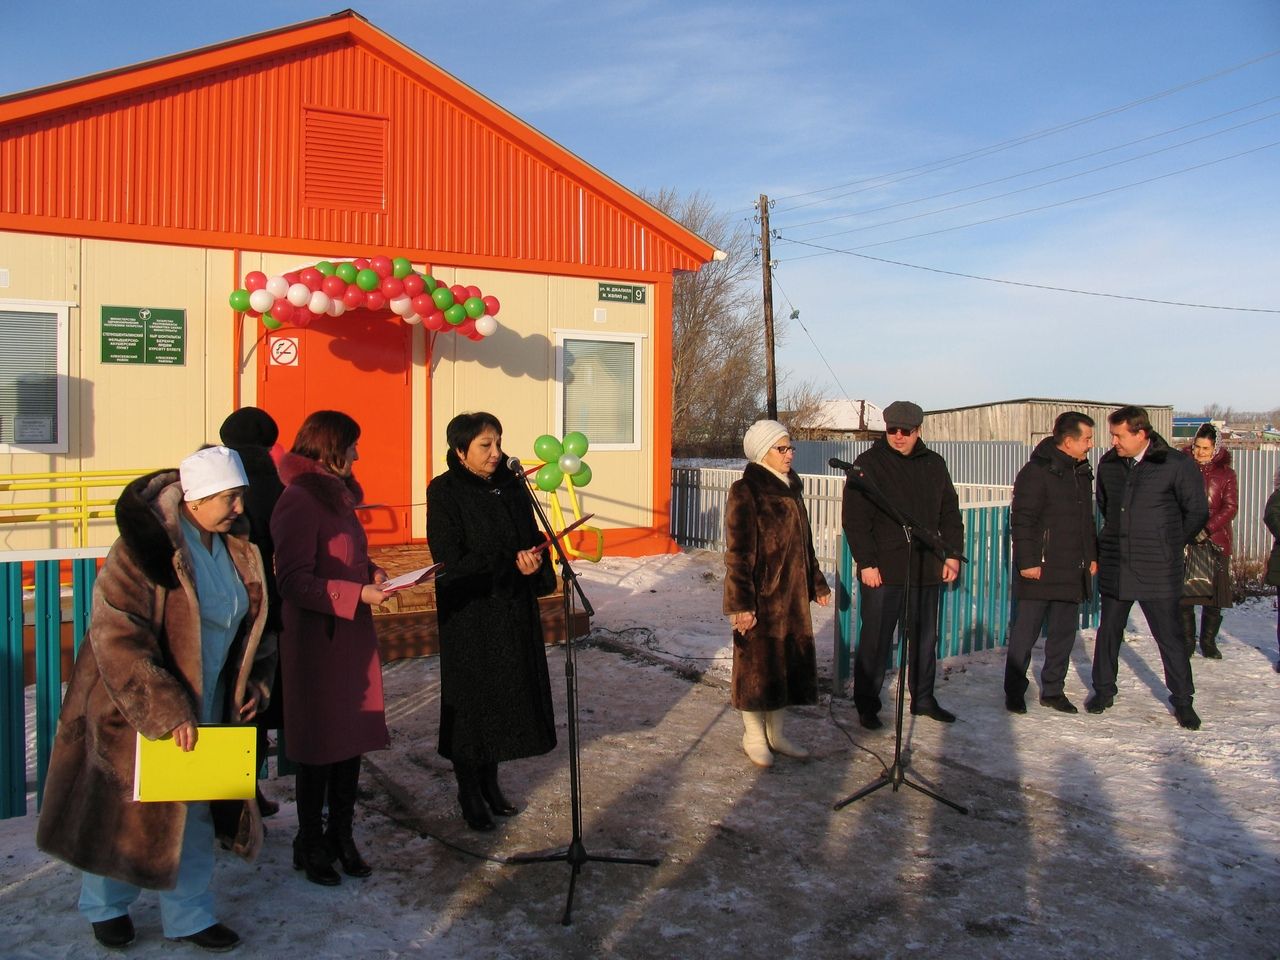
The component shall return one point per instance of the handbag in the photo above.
(1200, 567)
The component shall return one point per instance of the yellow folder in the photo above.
(221, 767)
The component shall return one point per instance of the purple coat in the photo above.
(1221, 489)
(328, 649)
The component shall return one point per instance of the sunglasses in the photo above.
(785, 449)
(900, 431)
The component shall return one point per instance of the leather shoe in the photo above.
(1096, 704)
(1188, 719)
(114, 933)
(934, 712)
(344, 850)
(217, 938)
(1059, 702)
(313, 855)
(870, 721)
(1015, 704)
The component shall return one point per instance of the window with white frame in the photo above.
(33, 377)
(599, 380)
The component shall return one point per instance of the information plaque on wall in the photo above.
(150, 335)
(620, 293)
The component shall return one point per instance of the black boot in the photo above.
(310, 851)
(470, 799)
(343, 784)
(1188, 615)
(1209, 626)
(492, 793)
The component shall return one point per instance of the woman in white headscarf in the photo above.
(771, 577)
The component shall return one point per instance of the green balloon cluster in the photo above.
(562, 459)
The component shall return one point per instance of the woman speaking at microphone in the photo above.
(495, 692)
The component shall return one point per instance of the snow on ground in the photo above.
(1113, 836)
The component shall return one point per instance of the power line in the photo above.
(1048, 166)
(1049, 206)
(795, 315)
(922, 169)
(1020, 283)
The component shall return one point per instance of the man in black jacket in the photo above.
(1055, 555)
(916, 481)
(1153, 504)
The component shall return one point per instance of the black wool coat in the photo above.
(918, 484)
(771, 571)
(1271, 517)
(495, 690)
(1051, 522)
(1151, 510)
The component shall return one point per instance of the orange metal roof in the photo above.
(317, 138)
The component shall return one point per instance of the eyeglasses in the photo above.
(785, 449)
(900, 431)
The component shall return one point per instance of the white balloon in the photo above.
(411, 317)
(319, 302)
(299, 295)
(336, 307)
(569, 464)
(401, 306)
(261, 300)
(277, 286)
(486, 326)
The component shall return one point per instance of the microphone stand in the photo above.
(896, 775)
(575, 854)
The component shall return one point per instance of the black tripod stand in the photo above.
(575, 854)
(896, 775)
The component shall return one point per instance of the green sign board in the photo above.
(144, 335)
(621, 293)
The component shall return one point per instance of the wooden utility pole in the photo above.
(772, 380)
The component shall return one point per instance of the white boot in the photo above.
(754, 740)
(777, 739)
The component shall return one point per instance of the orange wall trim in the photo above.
(638, 542)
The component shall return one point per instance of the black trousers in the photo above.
(1028, 617)
(881, 609)
(1164, 619)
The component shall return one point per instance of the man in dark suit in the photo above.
(1153, 503)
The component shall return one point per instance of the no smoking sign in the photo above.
(284, 351)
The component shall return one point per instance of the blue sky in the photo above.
(791, 99)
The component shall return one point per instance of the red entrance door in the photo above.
(359, 363)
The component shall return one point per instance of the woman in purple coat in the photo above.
(328, 649)
(1221, 489)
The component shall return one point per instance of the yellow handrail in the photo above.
(77, 510)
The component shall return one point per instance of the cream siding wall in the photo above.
(1027, 421)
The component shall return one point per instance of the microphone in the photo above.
(515, 466)
(845, 466)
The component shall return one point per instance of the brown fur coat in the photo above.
(139, 671)
(771, 570)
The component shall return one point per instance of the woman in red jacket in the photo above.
(1220, 487)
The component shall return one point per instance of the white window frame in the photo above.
(62, 308)
(637, 407)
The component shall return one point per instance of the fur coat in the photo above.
(329, 658)
(771, 571)
(139, 671)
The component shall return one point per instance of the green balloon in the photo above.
(347, 271)
(548, 477)
(442, 298)
(430, 282)
(401, 268)
(576, 443)
(474, 307)
(368, 280)
(270, 322)
(547, 448)
(582, 477)
(455, 315)
(326, 267)
(239, 300)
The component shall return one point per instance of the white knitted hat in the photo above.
(760, 437)
(210, 471)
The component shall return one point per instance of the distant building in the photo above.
(839, 420)
(1028, 420)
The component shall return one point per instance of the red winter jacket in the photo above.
(1220, 488)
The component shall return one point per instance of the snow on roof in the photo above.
(843, 415)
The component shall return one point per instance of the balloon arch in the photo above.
(331, 289)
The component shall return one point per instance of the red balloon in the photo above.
(475, 336)
(353, 298)
(255, 280)
(334, 286)
(303, 317)
(252, 314)
(467, 327)
(423, 305)
(473, 291)
(413, 285)
(491, 306)
(282, 310)
(312, 277)
(293, 277)
(391, 287)
(382, 266)
(435, 320)
(360, 263)
(459, 292)
(374, 300)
